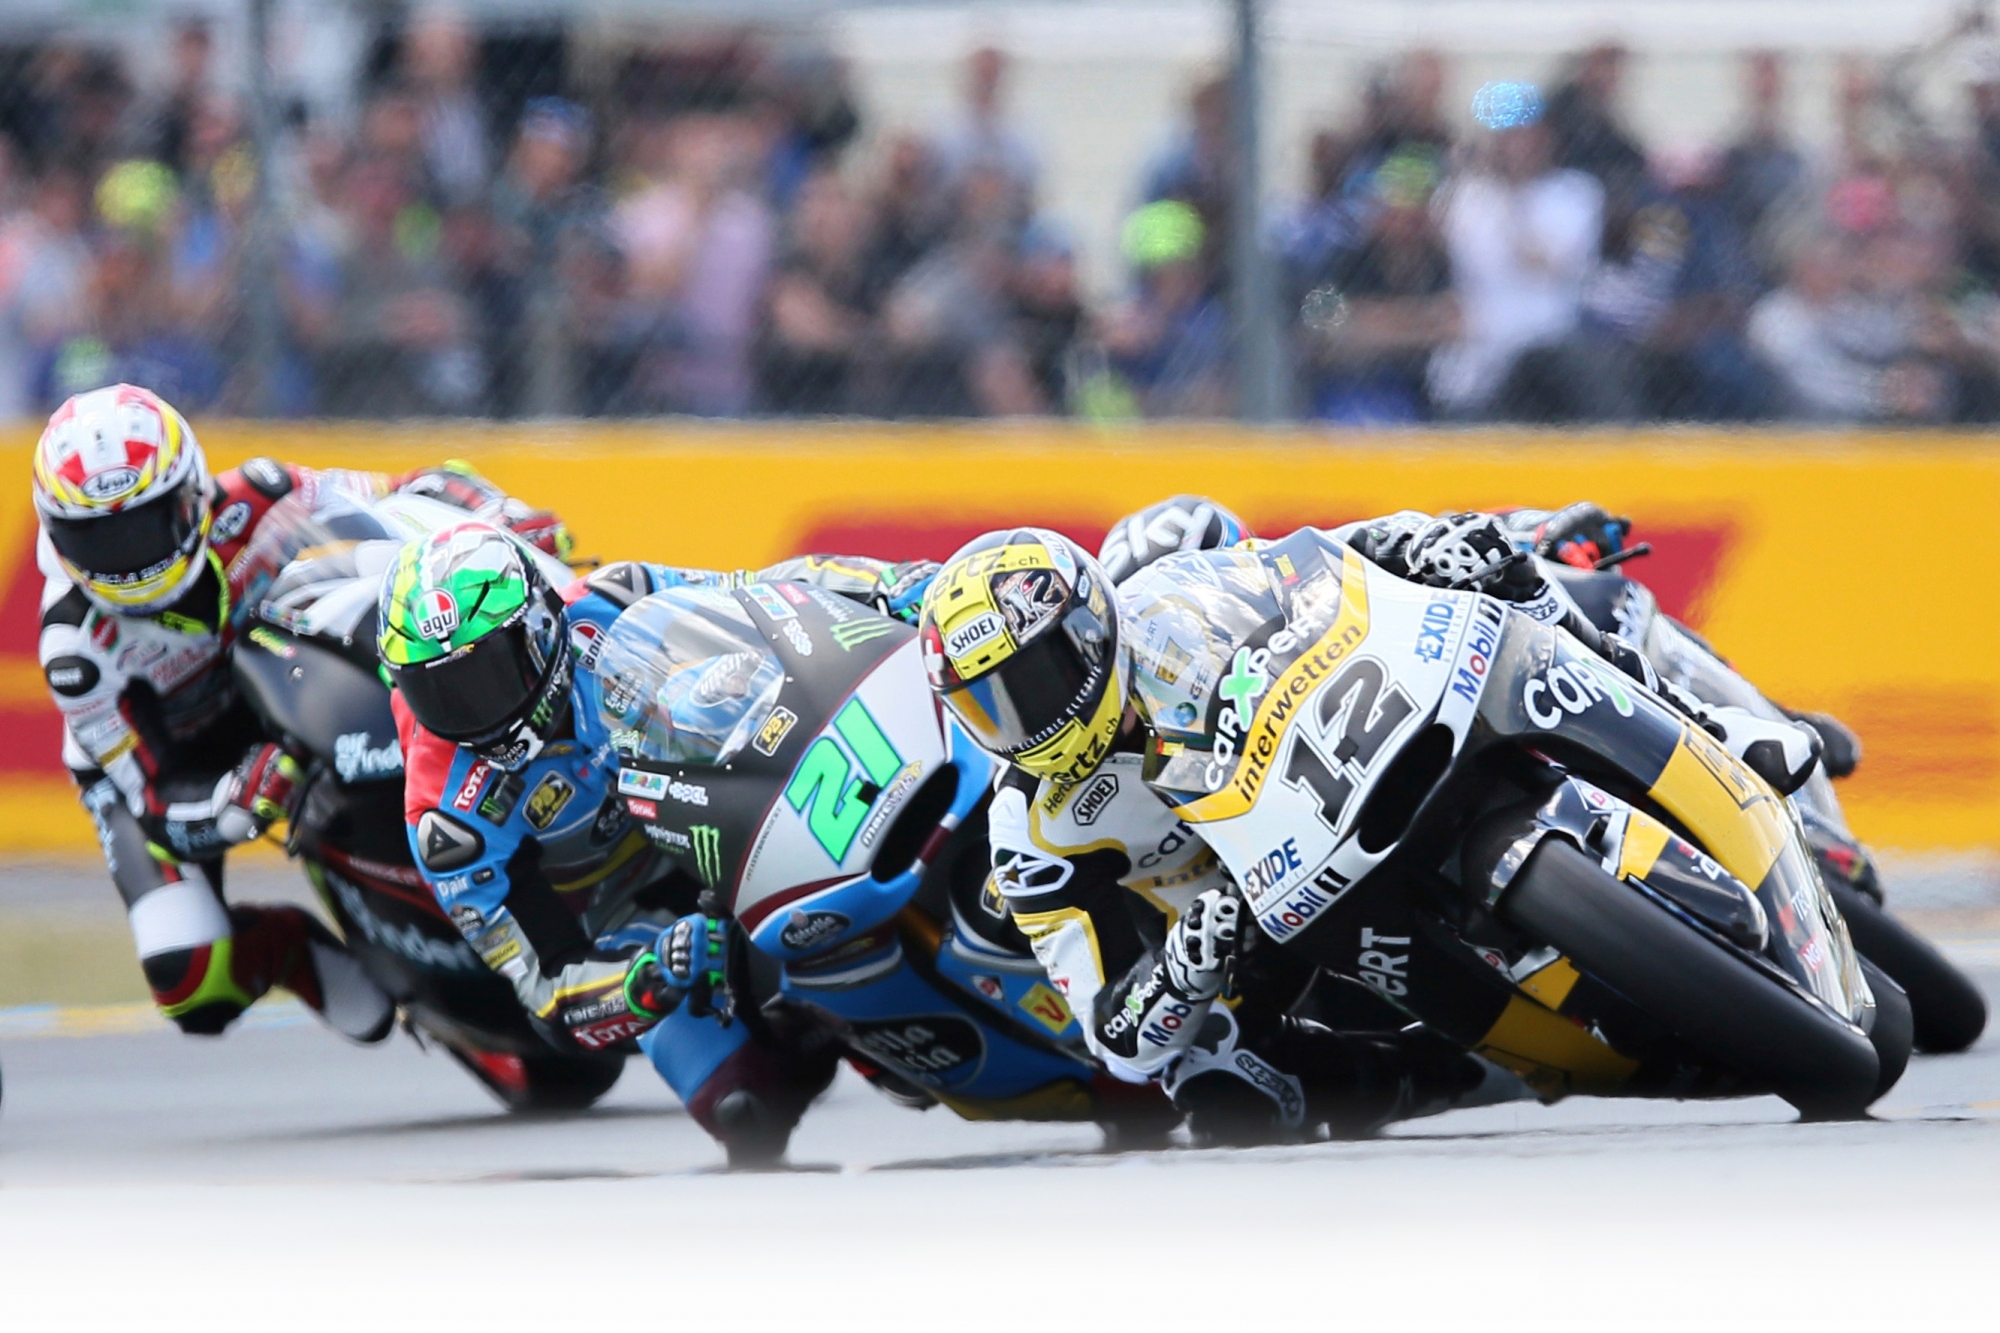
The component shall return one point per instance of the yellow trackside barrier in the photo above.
(1841, 572)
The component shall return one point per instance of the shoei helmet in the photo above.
(1183, 523)
(123, 492)
(473, 635)
(1020, 636)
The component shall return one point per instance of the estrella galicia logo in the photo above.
(707, 853)
(853, 633)
(803, 930)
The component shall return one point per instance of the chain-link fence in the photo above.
(1465, 210)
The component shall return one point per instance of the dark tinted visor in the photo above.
(131, 541)
(475, 694)
(1053, 678)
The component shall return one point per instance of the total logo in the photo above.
(437, 615)
(1573, 688)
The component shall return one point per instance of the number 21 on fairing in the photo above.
(826, 789)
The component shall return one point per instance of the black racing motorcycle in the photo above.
(1428, 793)
(1947, 1009)
(306, 665)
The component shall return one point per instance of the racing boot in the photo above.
(288, 947)
(1231, 1095)
(1782, 753)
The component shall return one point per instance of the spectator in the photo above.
(983, 137)
(1387, 304)
(948, 324)
(1762, 169)
(1050, 322)
(1841, 355)
(912, 213)
(441, 59)
(697, 243)
(1522, 236)
(1194, 168)
(1583, 120)
(1670, 293)
(168, 123)
(402, 341)
(817, 308)
(1170, 342)
(546, 218)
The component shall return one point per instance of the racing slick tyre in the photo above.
(1947, 1010)
(1891, 1034)
(1718, 1003)
(538, 1082)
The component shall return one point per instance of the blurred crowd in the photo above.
(697, 231)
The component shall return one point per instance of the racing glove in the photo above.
(687, 964)
(902, 589)
(1471, 552)
(1581, 535)
(1198, 949)
(242, 804)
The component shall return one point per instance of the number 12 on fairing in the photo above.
(833, 797)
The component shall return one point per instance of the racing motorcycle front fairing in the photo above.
(1664, 806)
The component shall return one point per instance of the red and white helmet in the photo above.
(122, 491)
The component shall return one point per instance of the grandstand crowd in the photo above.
(720, 233)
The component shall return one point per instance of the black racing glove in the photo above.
(1581, 535)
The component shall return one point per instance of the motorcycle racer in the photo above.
(138, 545)
(1031, 650)
(516, 824)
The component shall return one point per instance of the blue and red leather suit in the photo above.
(557, 890)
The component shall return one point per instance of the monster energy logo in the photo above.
(849, 634)
(708, 853)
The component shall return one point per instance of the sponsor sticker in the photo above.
(228, 525)
(638, 782)
(774, 607)
(687, 793)
(437, 615)
(851, 634)
(796, 635)
(772, 734)
(981, 629)
(111, 483)
(642, 808)
(1433, 630)
(1045, 1007)
(548, 799)
(1093, 797)
(806, 930)
(1572, 688)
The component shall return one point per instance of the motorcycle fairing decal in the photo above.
(1552, 1054)
(1284, 701)
(1737, 818)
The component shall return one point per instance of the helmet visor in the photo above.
(1056, 677)
(133, 545)
(479, 692)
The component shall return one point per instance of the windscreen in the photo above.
(686, 678)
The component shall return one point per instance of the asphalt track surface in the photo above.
(281, 1179)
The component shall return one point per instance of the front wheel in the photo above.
(1747, 1023)
(1948, 1011)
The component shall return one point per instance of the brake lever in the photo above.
(1617, 558)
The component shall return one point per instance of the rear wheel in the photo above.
(1729, 1012)
(1948, 1011)
(541, 1082)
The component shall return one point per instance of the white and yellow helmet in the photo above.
(123, 492)
(1020, 635)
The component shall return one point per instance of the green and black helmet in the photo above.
(474, 637)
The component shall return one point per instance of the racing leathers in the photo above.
(559, 891)
(1129, 947)
(174, 769)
